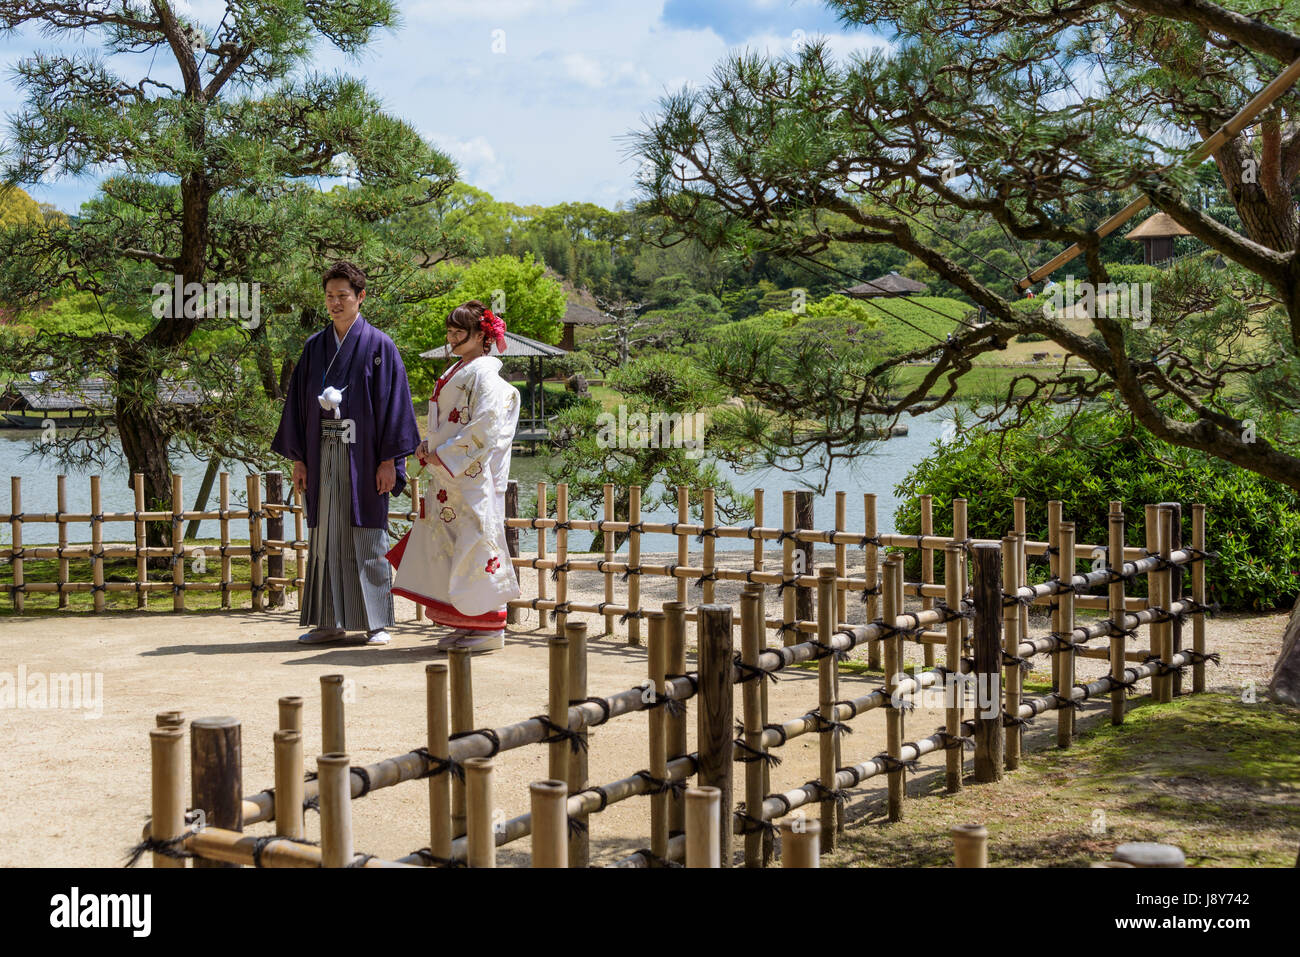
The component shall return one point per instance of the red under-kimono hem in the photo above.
(441, 613)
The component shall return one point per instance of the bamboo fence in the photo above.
(691, 809)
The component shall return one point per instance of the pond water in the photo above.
(878, 472)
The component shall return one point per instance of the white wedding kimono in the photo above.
(455, 561)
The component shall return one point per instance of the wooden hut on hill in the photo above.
(580, 314)
(886, 287)
(1157, 237)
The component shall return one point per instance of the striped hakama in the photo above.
(348, 580)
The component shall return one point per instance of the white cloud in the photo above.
(477, 159)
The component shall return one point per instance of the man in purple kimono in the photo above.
(348, 426)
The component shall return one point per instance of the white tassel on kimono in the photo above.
(330, 400)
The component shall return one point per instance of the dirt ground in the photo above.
(78, 787)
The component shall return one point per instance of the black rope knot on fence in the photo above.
(1162, 667)
(750, 824)
(427, 855)
(838, 795)
(1015, 721)
(780, 730)
(638, 527)
(822, 725)
(630, 570)
(365, 780)
(167, 847)
(600, 792)
(660, 785)
(787, 534)
(950, 740)
(1009, 599)
(629, 614)
(260, 843)
(565, 525)
(1009, 660)
(557, 732)
(710, 532)
(706, 577)
(951, 614)
(750, 672)
(560, 567)
(791, 582)
(868, 592)
(788, 628)
(438, 765)
(893, 764)
(825, 651)
(866, 540)
(1064, 642)
(488, 733)
(1200, 657)
(752, 754)
(601, 702)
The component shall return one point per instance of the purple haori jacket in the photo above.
(377, 399)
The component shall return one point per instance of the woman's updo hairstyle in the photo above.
(469, 317)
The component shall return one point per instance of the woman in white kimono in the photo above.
(455, 561)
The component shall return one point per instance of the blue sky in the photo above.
(530, 97)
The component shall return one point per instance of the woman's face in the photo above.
(462, 343)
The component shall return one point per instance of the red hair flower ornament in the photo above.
(495, 327)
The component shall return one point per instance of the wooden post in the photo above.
(716, 714)
(841, 559)
(216, 781)
(334, 774)
(141, 543)
(1164, 684)
(988, 659)
(960, 532)
(576, 774)
(657, 731)
(331, 714)
(1054, 569)
(607, 539)
(970, 843)
(675, 724)
(62, 530)
(1151, 530)
(275, 531)
(704, 831)
(288, 783)
(827, 694)
(170, 719)
(290, 713)
(167, 820)
(1198, 595)
(954, 757)
(255, 540)
(223, 490)
(299, 554)
(761, 592)
(1022, 563)
(927, 566)
(558, 704)
(1115, 605)
(561, 553)
(872, 573)
(750, 632)
(97, 543)
(481, 845)
(543, 616)
(1011, 646)
(462, 719)
(683, 545)
(893, 673)
(789, 615)
(16, 540)
(178, 542)
(707, 560)
(803, 519)
(634, 560)
(1065, 672)
(1175, 591)
(437, 735)
(755, 592)
(801, 843)
(512, 540)
(550, 823)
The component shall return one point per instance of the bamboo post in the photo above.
(872, 573)
(299, 554)
(1011, 646)
(755, 591)
(827, 694)
(481, 845)
(331, 714)
(62, 529)
(988, 658)
(223, 490)
(683, 546)
(1164, 684)
(750, 631)
(1198, 596)
(178, 542)
(141, 543)
(275, 532)
(288, 783)
(1065, 679)
(561, 554)
(1175, 592)
(707, 558)
(704, 833)
(576, 774)
(675, 724)
(290, 713)
(1054, 570)
(255, 540)
(801, 843)
(1115, 606)
(550, 823)
(760, 591)
(960, 533)
(716, 714)
(216, 784)
(927, 566)
(334, 774)
(841, 559)
(558, 705)
(16, 540)
(953, 757)
(462, 719)
(1022, 564)
(634, 560)
(97, 543)
(543, 616)
(607, 539)
(657, 732)
(803, 519)
(970, 844)
(893, 673)
(789, 631)
(439, 746)
(167, 819)
(512, 539)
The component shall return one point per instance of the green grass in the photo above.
(1213, 775)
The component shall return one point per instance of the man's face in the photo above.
(342, 301)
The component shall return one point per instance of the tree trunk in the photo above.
(144, 443)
